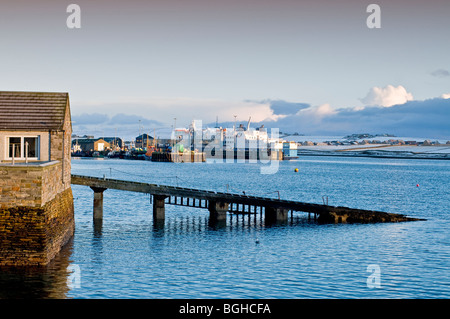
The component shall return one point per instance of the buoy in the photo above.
(417, 185)
(296, 170)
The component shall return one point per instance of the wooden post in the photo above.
(98, 201)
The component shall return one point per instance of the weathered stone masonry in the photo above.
(36, 213)
(32, 236)
(30, 185)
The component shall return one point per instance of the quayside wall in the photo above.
(36, 212)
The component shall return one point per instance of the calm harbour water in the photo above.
(129, 257)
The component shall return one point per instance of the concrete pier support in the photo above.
(98, 202)
(218, 210)
(276, 215)
(159, 210)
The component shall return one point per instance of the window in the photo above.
(23, 147)
(15, 146)
(30, 146)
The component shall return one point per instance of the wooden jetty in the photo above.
(219, 203)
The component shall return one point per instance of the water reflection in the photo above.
(46, 282)
(98, 227)
(158, 225)
(216, 224)
(189, 256)
(97, 240)
(52, 281)
(187, 223)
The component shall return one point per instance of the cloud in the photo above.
(118, 119)
(317, 112)
(164, 110)
(160, 113)
(87, 119)
(280, 107)
(428, 119)
(124, 119)
(387, 96)
(440, 73)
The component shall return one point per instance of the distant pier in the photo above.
(220, 153)
(177, 157)
(219, 203)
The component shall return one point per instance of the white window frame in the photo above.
(22, 147)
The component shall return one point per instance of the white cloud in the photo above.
(387, 96)
(317, 112)
(428, 118)
(446, 96)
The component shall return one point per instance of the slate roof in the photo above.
(32, 110)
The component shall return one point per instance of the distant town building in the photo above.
(90, 145)
(113, 141)
(143, 140)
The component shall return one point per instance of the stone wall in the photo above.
(36, 213)
(30, 185)
(32, 236)
(60, 139)
(52, 183)
(60, 147)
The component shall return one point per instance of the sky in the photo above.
(312, 67)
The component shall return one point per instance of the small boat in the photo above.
(113, 154)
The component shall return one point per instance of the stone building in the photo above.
(36, 203)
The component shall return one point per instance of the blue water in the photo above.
(127, 256)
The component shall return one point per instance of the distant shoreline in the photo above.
(341, 154)
(330, 155)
